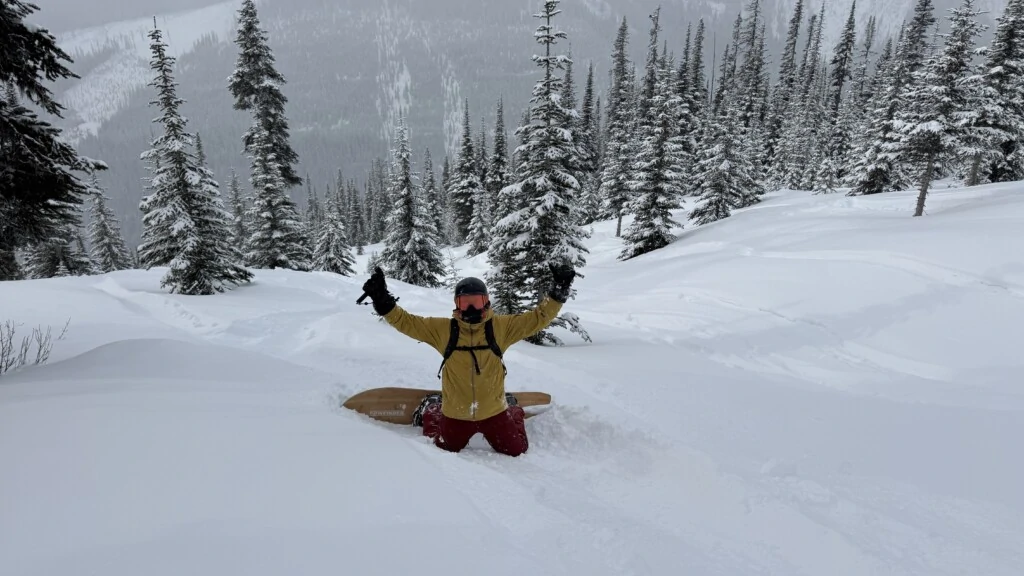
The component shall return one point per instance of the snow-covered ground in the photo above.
(819, 385)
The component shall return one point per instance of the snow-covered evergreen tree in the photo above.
(588, 144)
(878, 165)
(277, 238)
(498, 174)
(842, 63)
(109, 252)
(465, 182)
(996, 132)
(255, 85)
(239, 220)
(184, 225)
(410, 253)
(615, 192)
(432, 198)
(942, 96)
(723, 176)
(658, 171)
(313, 216)
(60, 255)
(214, 225)
(357, 233)
(547, 188)
(333, 252)
(41, 193)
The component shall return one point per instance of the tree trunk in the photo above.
(926, 180)
(973, 176)
(618, 227)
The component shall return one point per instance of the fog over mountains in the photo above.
(354, 66)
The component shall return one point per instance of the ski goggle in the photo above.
(478, 301)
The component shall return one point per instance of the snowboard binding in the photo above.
(417, 415)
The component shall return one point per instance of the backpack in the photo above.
(491, 345)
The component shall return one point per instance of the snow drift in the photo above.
(816, 385)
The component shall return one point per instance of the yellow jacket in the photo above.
(468, 395)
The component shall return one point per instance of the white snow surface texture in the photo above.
(818, 385)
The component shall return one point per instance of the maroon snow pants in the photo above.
(505, 432)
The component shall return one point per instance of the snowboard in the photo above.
(398, 405)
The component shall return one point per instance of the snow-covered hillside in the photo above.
(107, 89)
(819, 385)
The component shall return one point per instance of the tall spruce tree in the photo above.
(498, 175)
(465, 182)
(432, 197)
(256, 86)
(545, 227)
(40, 194)
(277, 238)
(185, 225)
(109, 252)
(615, 193)
(410, 253)
(842, 63)
(357, 233)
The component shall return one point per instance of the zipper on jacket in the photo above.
(472, 374)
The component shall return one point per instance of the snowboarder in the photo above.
(472, 373)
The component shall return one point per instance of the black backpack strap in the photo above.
(453, 345)
(453, 341)
(493, 343)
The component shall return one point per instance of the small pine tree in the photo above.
(722, 181)
(61, 255)
(411, 254)
(108, 247)
(332, 252)
(480, 226)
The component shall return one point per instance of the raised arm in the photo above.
(529, 323)
(433, 331)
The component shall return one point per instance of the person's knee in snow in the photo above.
(472, 343)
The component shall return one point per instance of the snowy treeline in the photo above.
(867, 115)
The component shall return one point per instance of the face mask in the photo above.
(472, 314)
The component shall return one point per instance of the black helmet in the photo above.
(470, 286)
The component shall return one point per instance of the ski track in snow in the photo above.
(814, 386)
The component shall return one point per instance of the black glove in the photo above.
(377, 290)
(562, 276)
